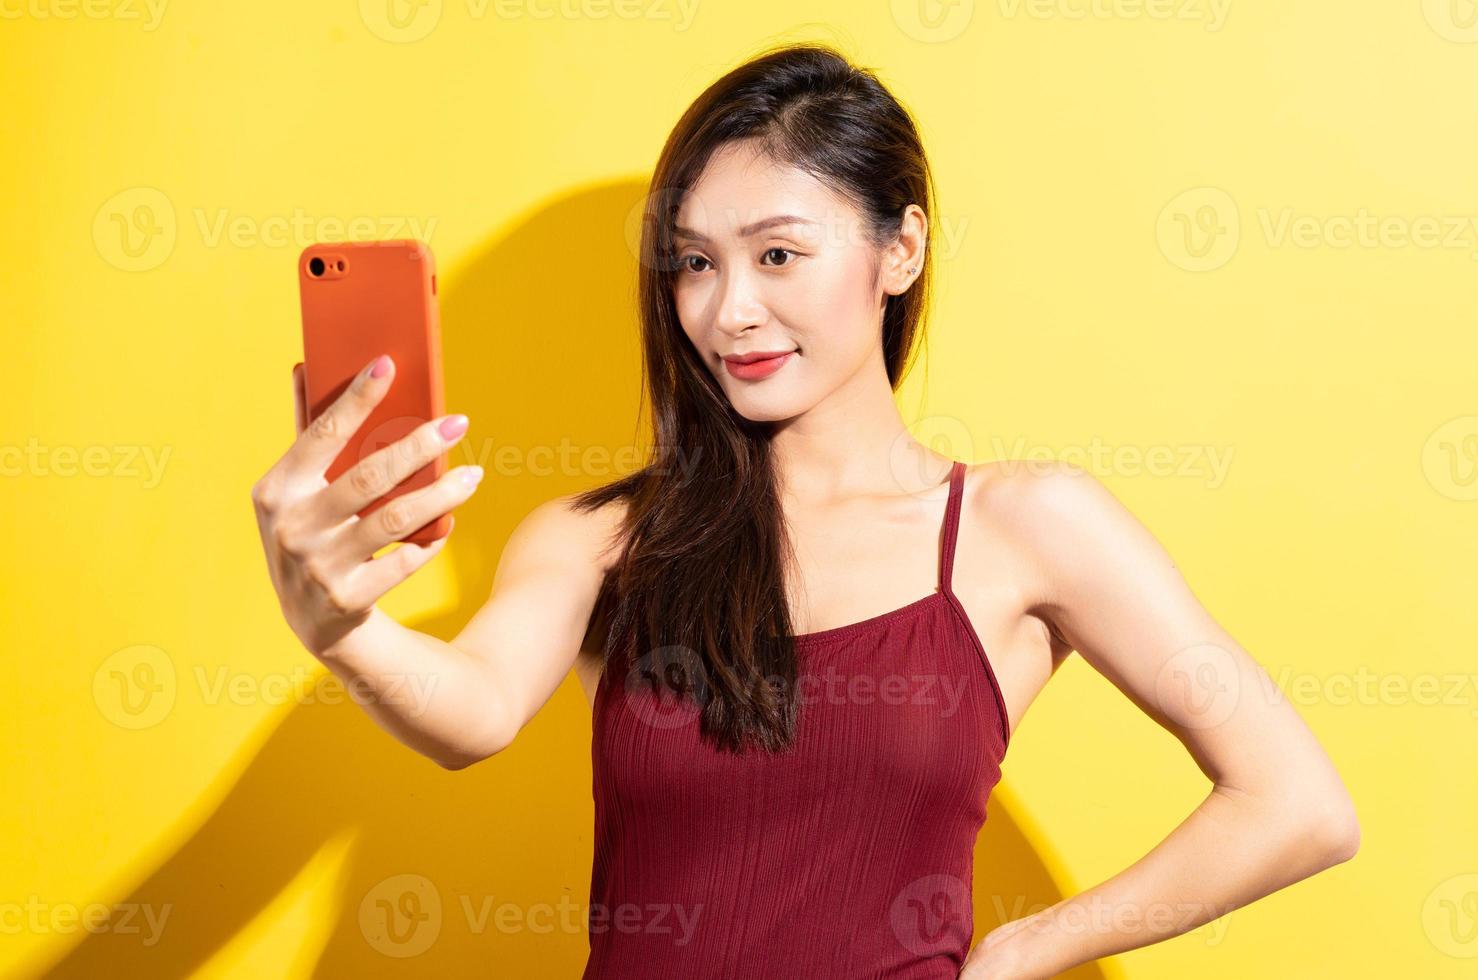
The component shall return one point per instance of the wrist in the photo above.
(339, 647)
(1016, 950)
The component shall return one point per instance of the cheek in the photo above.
(834, 319)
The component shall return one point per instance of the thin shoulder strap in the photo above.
(951, 524)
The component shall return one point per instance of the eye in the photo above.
(683, 263)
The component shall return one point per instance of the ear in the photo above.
(903, 261)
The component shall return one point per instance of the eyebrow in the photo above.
(750, 229)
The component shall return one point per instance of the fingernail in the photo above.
(472, 475)
(380, 367)
(452, 426)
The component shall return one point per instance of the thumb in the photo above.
(300, 398)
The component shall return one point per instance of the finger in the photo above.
(403, 515)
(300, 398)
(374, 578)
(385, 469)
(327, 435)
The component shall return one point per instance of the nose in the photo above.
(739, 303)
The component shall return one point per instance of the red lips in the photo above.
(753, 365)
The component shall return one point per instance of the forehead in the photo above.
(740, 186)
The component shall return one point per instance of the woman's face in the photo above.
(770, 260)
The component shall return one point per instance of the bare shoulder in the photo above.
(1052, 504)
(587, 541)
(568, 533)
(1038, 492)
(1059, 520)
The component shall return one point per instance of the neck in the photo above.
(853, 443)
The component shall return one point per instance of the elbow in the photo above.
(460, 757)
(457, 762)
(491, 732)
(1345, 842)
(1337, 831)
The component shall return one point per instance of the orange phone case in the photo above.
(374, 298)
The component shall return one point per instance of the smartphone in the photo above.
(362, 299)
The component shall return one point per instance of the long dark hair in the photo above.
(699, 583)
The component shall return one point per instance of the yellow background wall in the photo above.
(1153, 250)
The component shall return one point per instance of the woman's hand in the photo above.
(318, 549)
(998, 957)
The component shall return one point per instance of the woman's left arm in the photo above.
(1277, 811)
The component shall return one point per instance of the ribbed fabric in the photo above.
(850, 857)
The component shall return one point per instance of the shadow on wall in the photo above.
(448, 874)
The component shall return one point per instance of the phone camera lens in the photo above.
(315, 266)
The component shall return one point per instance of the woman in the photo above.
(783, 620)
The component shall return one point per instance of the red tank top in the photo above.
(848, 858)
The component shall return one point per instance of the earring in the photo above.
(910, 270)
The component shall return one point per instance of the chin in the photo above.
(765, 409)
